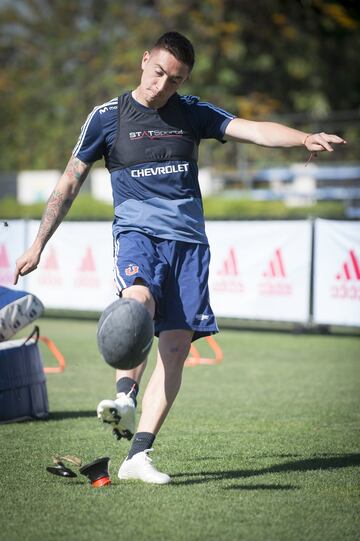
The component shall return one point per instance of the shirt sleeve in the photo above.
(212, 120)
(91, 143)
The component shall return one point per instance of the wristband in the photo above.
(304, 141)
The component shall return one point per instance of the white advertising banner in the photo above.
(12, 245)
(75, 270)
(337, 273)
(260, 270)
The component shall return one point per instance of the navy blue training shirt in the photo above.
(152, 158)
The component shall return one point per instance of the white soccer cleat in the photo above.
(140, 467)
(120, 414)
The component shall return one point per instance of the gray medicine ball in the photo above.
(125, 334)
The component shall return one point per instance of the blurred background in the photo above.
(292, 61)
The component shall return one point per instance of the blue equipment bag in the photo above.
(23, 393)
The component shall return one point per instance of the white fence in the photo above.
(297, 271)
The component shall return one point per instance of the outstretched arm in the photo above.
(58, 205)
(272, 134)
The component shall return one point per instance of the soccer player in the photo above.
(149, 139)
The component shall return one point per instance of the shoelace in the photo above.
(146, 455)
(131, 390)
(149, 466)
(148, 459)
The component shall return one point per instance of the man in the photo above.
(149, 138)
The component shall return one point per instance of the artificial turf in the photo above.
(264, 446)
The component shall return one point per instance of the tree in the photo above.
(61, 57)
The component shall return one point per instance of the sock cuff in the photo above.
(125, 385)
(147, 437)
(141, 442)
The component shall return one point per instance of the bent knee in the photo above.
(174, 346)
(140, 293)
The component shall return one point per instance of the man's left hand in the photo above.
(318, 142)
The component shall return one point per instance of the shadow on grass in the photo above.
(262, 487)
(60, 415)
(309, 464)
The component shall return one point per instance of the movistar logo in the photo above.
(160, 170)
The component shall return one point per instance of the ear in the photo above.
(186, 78)
(145, 59)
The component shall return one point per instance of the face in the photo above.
(161, 77)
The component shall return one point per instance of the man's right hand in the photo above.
(26, 263)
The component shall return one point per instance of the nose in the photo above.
(161, 84)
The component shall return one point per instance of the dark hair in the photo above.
(179, 46)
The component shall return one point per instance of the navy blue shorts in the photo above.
(177, 275)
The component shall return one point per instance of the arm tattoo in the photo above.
(55, 210)
(76, 169)
(59, 204)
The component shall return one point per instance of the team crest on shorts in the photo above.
(131, 269)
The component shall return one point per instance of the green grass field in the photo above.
(264, 446)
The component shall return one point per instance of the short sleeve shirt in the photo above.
(157, 196)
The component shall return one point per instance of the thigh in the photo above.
(136, 261)
(185, 302)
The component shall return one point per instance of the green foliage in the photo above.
(83, 208)
(87, 208)
(11, 209)
(59, 59)
(237, 209)
(262, 446)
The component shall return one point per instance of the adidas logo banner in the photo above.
(260, 270)
(337, 273)
(76, 267)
